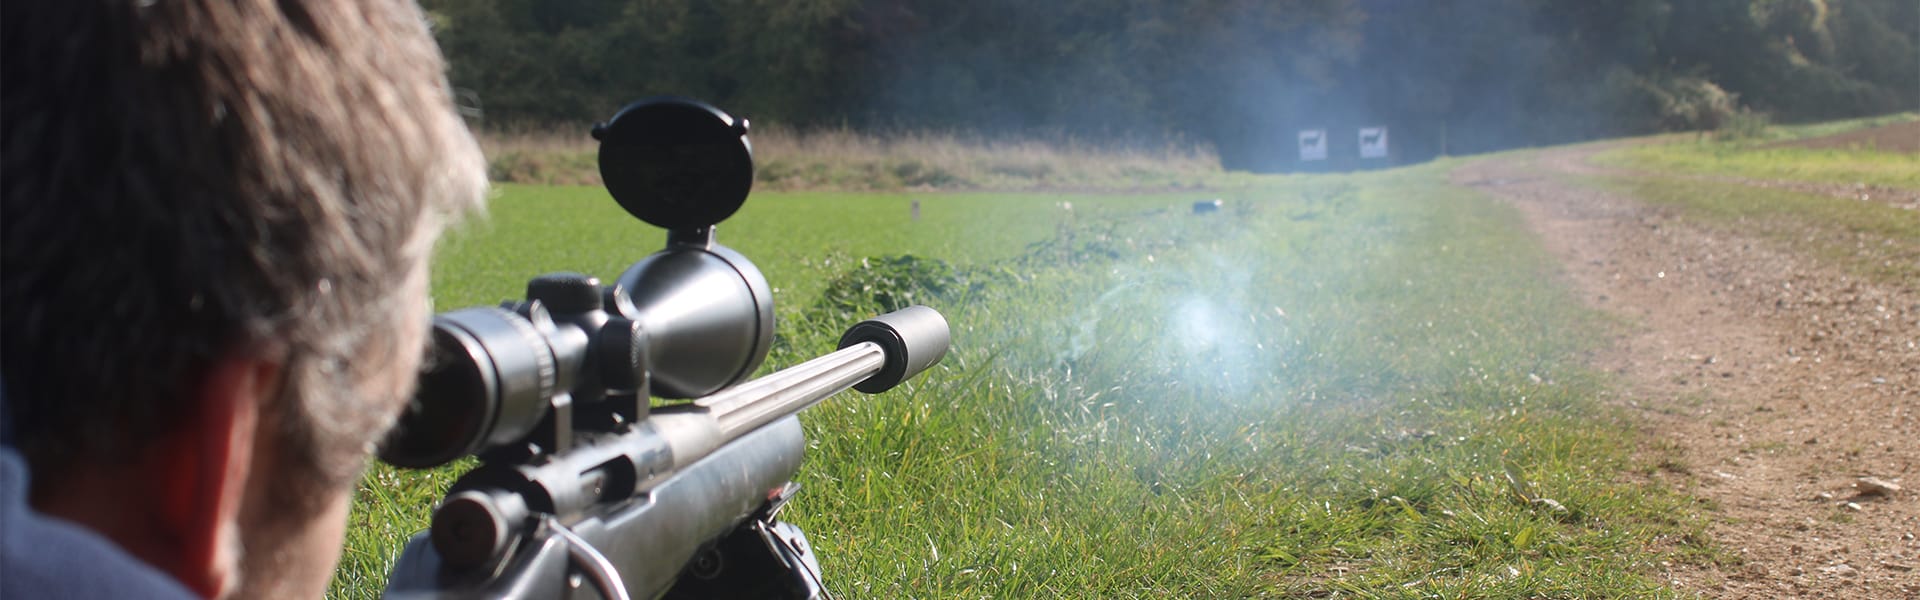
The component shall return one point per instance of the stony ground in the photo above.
(1785, 392)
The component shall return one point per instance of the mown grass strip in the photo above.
(1824, 128)
(1861, 166)
(1763, 158)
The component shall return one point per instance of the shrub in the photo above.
(1688, 103)
(1744, 125)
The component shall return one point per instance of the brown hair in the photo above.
(187, 178)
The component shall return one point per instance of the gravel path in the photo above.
(1789, 390)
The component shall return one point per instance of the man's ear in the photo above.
(202, 470)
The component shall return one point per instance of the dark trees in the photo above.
(1453, 76)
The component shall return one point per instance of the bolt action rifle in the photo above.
(584, 489)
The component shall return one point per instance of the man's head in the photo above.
(217, 216)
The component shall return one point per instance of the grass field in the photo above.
(1797, 164)
(1764, 157)
(1359, 385)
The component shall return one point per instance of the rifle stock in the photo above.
(647, 539)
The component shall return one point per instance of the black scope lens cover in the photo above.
(676, 163)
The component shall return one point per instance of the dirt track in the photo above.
(1781, 383)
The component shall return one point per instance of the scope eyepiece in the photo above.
(486, 381)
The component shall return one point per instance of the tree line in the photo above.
(1447, 76)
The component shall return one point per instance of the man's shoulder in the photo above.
(41, 557)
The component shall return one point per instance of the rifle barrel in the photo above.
(748, 406)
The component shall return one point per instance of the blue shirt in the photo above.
(44, 557)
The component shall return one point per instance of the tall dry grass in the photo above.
(842, 159)
(547, 156)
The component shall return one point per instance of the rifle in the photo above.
(583, 488)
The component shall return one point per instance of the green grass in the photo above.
(1758, 159)
(1795, 164)
(1825, 128)
(1339, 386)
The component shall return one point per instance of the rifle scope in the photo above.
(686, 321)
(581, 478)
